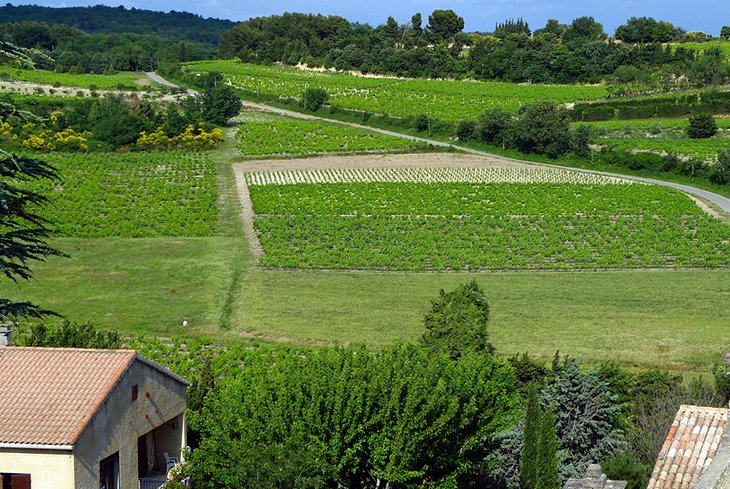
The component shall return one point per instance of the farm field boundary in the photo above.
(723, 203)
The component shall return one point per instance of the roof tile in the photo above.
(689, 448)
(49, 394)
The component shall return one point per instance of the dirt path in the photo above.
(247, 215)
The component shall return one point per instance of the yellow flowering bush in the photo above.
(191, 138)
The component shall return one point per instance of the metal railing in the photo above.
(152, 483)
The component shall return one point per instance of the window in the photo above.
(14, 481)
(135, 392)
(109, 472)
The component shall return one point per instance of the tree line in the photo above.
(555, 53)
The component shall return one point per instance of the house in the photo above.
(73, 418)
(696, 452)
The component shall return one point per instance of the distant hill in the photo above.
(173, 26)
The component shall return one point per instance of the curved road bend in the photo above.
(720, 201)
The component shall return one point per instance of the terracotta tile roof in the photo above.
(689, 448)
(48, 395)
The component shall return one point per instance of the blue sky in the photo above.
(479, 15)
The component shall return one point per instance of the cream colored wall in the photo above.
(48, 469)
(120, 422)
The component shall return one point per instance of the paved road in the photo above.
(157, 78)
(718, 200)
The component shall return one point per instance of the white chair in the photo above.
(171, 461)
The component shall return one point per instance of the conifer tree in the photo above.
(528, 464)
(547, 453)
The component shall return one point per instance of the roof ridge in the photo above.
(694, 407)
(57, 349)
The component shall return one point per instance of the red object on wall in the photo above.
(147, 394)
(157, 411)
(146, 415)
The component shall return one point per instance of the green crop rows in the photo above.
(441, 99)
(666, 124)
(479, 226)
(701, 148)
(106, 82)
(132, 195)
(271, 135)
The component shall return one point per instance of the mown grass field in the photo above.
(644, 318)
(440, 99)
(123, 80)
(270, 135)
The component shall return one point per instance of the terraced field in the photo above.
(446, 100)
(392, 220)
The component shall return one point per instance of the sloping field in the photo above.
(446, 100)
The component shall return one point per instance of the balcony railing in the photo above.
(152, 483)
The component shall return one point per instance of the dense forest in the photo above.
(437, 47)
(103, 39)
(99, 19)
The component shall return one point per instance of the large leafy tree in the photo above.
(457, 322)
(445, 24)
(23, 232)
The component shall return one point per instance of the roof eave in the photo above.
(36, 446)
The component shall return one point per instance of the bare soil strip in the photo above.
(247, 215)
(418, 160)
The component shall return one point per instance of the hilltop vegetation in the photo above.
(100, 19)
(437, 47)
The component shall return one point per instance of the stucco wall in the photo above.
(47, 469)
(120, 421)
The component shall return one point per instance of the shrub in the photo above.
(466, 129)
(701, 126)
(314, 98)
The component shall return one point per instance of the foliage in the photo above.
(457, 322)
(467, 226)
(269, 135)
(624, 466)
(646, 29)
(445, 100)
(529, 459)
(701, 126)
(69, 335)
(24, 232)
(219, 103)
(314, 98)
(721, 171)
(588, 419)
(722, 379)
(191, 138)
(546, 466)
(494, 125)
(352, 417)
(133, 194)
(542, 127)
(444, 24)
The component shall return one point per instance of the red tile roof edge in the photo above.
(117, 376)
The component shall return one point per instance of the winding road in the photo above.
(718, 200)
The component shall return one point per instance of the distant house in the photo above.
(73, 419)
(696, 452)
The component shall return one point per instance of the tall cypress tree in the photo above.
(528, 463)
(547, 453)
